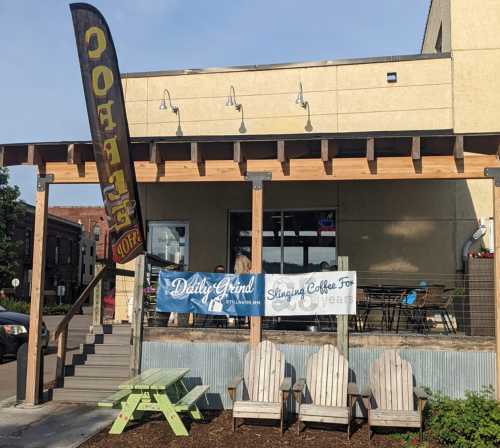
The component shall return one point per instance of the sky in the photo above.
(41, 96)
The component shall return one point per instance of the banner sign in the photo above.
(216, 294)
(109, 128)
(316, 293)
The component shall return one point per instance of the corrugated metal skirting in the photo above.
(216, 364)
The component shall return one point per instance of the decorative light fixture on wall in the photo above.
(231, 102)
(166, 103)
(305, 105)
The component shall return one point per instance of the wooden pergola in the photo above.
(259, 159)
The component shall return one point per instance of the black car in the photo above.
(14, 329)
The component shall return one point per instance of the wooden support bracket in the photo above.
(239, 157)
(329, 150)
(75, 157)
(197, 158)
(156, 158)
(282, 157)
(415, 148)
(458, 147)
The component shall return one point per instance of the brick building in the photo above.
(93, 220)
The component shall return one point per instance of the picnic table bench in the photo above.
(155, 390)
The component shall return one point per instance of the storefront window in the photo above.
(169, 240)
(293, 241)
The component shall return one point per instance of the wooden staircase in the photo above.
(102, 363)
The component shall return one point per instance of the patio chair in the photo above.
(438, 300)
(332, 398)
(265, 388)
(390, 395)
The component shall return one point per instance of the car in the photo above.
(14, 328)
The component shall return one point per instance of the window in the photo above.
(91, 251)
(170, 240)
(27, 243)
(293, 241)
(57, 251)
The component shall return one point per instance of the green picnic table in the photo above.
(155, 390)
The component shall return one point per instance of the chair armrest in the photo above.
(298, 388)
(352, 389)
(420, 393)
(231, 389)
(285, 387)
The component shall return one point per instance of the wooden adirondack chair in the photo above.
(264, 384)
(390, 400)
(327, 382)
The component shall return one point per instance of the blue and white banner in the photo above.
(216, 294)
(316, 293)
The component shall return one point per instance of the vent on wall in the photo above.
(392, 77)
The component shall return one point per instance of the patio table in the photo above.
(157, 390)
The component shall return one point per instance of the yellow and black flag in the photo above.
(109, 128)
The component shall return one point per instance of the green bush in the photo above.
(17, 306)
(20, 306)
(473, 422)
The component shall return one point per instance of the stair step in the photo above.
(111, 349)
(102, 371)
(108, 360)
(80, 395)
(92, 383)
(117, 339)
(113, 329)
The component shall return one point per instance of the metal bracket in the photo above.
(43, 180)
(257, 178)
(493, 173)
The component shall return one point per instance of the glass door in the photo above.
(169, 240)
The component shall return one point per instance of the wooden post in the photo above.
(257, 180)
(61, 356)
(33, 380)
(137, 316)
(495, 174)
(97, 317)
(496, 209)
(343, 321)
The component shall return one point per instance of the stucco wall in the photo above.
(417, 226)
(439, 19)
(343, 98)
(476, 64)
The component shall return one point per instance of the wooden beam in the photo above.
(197, 158)
(282, 157)
(388, 168)
(239, 157)
(415, 148)
(343, 321)
(370, 149)
(329, 150)
(458, 147)
(137, 316)
(33, 380)
(97, 302)
(154, 153)
(61, 357)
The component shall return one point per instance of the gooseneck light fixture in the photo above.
(232, 102)
(305, 105)
(164, 105)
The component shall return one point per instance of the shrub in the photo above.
(473, 422)
(15, 305)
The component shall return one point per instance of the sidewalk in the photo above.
(52, 425)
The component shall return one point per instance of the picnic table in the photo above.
(155, 390)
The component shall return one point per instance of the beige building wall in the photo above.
(417, 226)
(341, 98)
(438, 27)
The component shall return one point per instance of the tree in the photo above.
(11, 211)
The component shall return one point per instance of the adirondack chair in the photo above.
(332, 397)
(265, 386)
(390, 396)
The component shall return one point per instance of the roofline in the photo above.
(261, 137)
(287, 65)
(31, 209)
(426, 26)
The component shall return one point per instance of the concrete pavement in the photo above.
(52, 425)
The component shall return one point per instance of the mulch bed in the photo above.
(215, 431)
